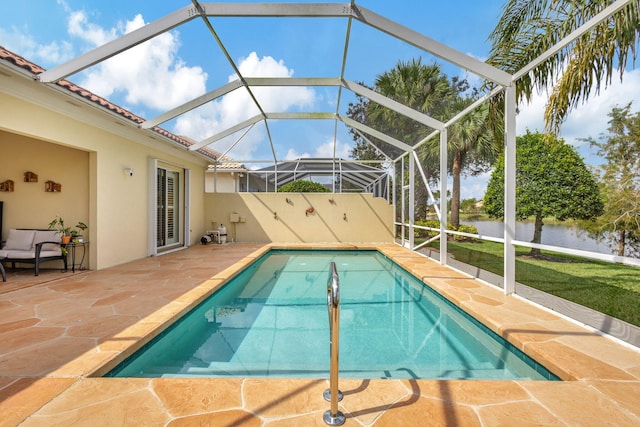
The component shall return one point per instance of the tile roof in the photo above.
(223, 162)
(15, 59)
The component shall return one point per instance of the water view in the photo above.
(565, 236)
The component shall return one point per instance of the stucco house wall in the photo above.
(86, 151)
(29, 205)
(283, 217)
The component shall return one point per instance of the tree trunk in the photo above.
(537, 235)
(456, 170)
(621, 242)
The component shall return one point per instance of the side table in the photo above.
(72, 246)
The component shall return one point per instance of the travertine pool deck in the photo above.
(60, 333)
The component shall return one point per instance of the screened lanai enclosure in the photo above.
(262, 135)
(337, 175)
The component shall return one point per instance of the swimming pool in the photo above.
(271, 320)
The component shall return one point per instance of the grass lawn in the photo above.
(613, 289)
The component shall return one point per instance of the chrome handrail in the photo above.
(333, 416)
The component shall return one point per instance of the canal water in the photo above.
(552, 234)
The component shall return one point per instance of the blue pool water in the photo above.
(272, 321)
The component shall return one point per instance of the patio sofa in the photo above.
(31, 246)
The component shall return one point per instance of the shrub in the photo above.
(471, 229)
(303, 186)
(427, 234)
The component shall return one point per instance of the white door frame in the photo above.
(183, 207)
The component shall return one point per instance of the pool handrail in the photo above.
(333, 416)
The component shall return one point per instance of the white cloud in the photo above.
(292, 154)
(52, 53)
(238, 106)
(323, 150)
(473, 187)
(21, 40)
(78, 25)
(149, 75)
(274, 99)
(588, 119)
(326, 150)
(591, 119)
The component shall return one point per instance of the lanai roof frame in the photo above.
(355, 172)
(350, 10)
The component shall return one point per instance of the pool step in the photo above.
(227, 370)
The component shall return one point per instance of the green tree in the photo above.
(426, 89)
(471, 147)
(423, 88)
(620, 181)
(470, 206)
(418, 86)
(551, 181)
(528, 28)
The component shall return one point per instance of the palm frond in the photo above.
(529, 28)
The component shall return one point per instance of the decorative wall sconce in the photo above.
(128, 171)
(333, 202)
(7, 186)
(309, 211)
(289, 201)
(52, 187)
(30, 177)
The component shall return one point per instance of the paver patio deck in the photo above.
(59, 333)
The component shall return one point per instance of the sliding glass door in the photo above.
(168, 217)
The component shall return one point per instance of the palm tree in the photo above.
(471, 143)
(528, 28)
(426, 89)
(472, 147)
(421, 87)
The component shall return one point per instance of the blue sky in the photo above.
(186, 62)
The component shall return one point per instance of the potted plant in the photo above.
(76, 237)
(64, 231)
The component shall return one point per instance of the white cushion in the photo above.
(47, 236)
(56, 252)
(28, 254)
(21, 254)
(19, 240)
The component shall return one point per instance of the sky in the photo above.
(186, 62)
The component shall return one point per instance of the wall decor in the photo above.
(30, 177)
(52, 187)
(7, 186)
